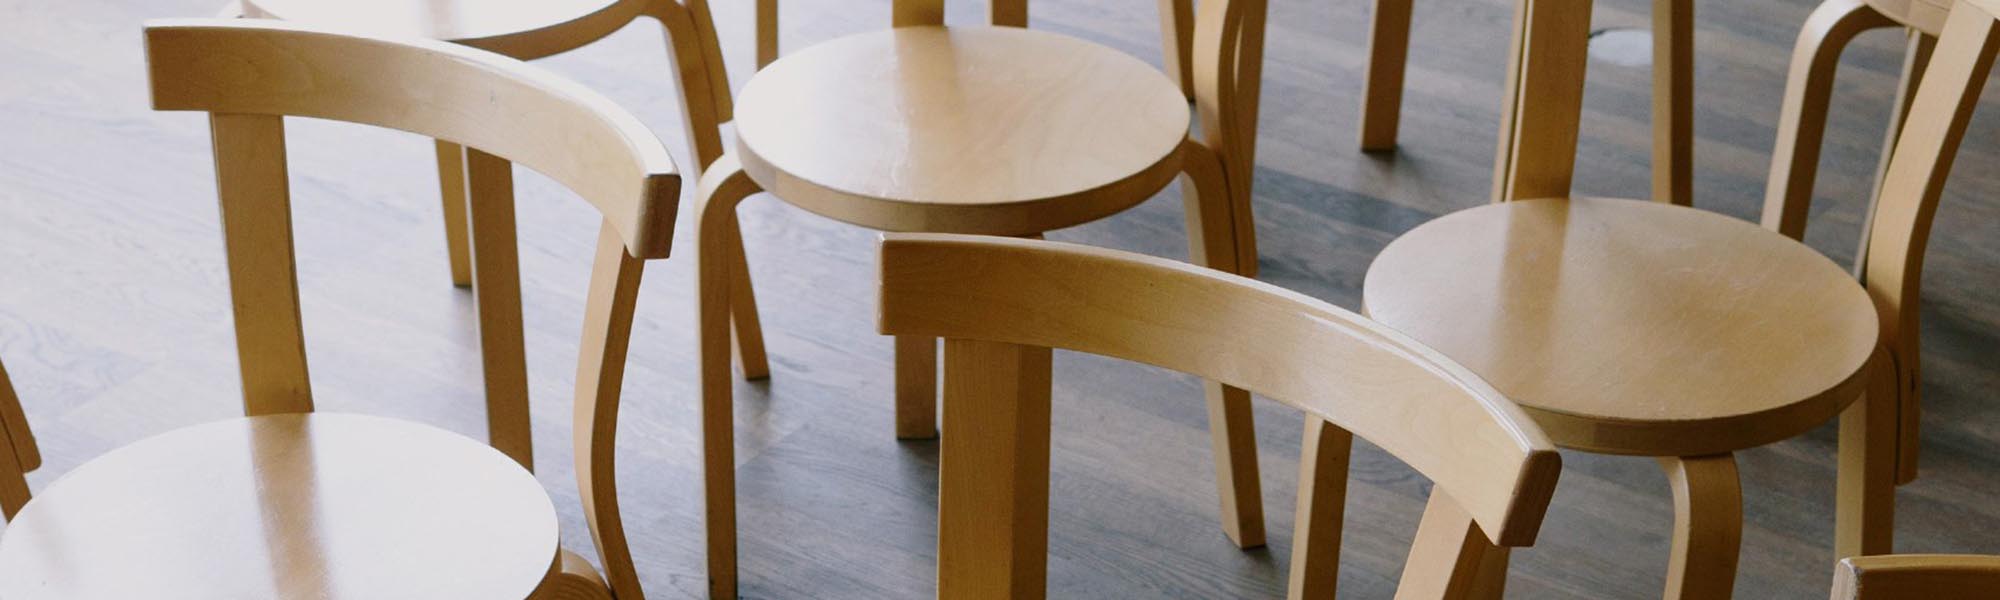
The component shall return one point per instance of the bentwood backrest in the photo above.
(1923, 158)
(1916, 577)
(1002, 297)
(250, 74)
(18, 453)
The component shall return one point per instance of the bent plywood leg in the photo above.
(1177, 42)
(1448, 556)
(1673, 101)
(1323, 460)
(1865, 508)
(1212, 243)
(496, 293)
(1915, 58)
(698, 75)
(993, 472)
(1382, 86)
(573, 579)
(767, 32)
(1708, 527)
(916, 387)
(451, 188)
(717, 240)
(1802, 119)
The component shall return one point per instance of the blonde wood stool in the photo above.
(525, 30)
(1916, 577)
(1002, 304)
(1636, 328)
(991, 130)
(289, 502)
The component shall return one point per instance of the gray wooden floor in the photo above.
(113, 314)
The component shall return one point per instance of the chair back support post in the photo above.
(18, 452)
(1922, 160)
(251, 182)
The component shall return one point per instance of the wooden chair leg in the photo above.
(1448, 556)
(717, 240)
(767, 32)
(1915, 57)
(496, 281)
(451, 188)
(1802, 120)
(1708, 527)
(1177, 42)
(1673, 101)
(699, 75)
(993, 472)
(1382, 86)
(1865, 507)
(1212, 242)
(916, 387)
(573, 579)
(1323, 461)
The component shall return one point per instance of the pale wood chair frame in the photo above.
(1916, 577)
(1221, 236)
(231, 69)
(1388, 53)
(1537, 160)
(1001, 304)
(703, 83)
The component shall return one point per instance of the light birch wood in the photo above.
(1402, 397)
(1673, 101)
(289, 503)
(1176, 42)
(1382, 84)
(1916, 577)
(993, 473)
(1802, 118)
(1324, 452)
(1916, 56)
(496, 280)
(18, 453)
(1448, 556)
(451, 189)
(1865, 484)
(1708, 527)
(1544, 100)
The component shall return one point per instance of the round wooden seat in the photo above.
(523, 29)
(993, 130)
(1924, 15)
(1631, 327)
(287, 506)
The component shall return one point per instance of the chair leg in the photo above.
(1448, 558)
(1212, 243)
(717, 242)
(496, 292)
(451, 187)
(573, 579)
(1915, 58)
(1708, 526)
(993, 472)
(1382, 86)
(1177, 42)
(916, 387)
(1864, 519)
(1673, 101)
(1322, 505)
(1802, 120)
(767, 32)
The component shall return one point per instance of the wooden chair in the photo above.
(986, 130)
(1001, 304)
(525, 30)
(1388, 50)
(18, 452)
(1916, 577)
(1802, 127)
(289, 502)
(1645, 329)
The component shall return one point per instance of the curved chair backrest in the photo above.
(250, 74)
(1916, 577)
(1923, 157)
(18, 452)
(1479, 449)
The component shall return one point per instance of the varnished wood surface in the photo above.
(1633, 327)
(286, 506)
(518, 28)
(995, 130)
(114, 323)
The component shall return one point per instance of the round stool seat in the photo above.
(286, 506)
(1630, 327)
(992, 130)
(1924, 15)
(523, 29)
